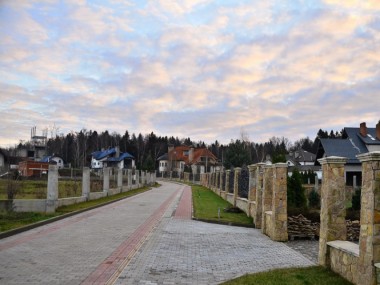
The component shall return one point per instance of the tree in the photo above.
(237, 154)
(296, 192)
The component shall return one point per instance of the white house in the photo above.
(112, 158)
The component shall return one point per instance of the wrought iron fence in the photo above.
(244, 182)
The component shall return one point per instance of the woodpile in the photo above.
(301, 227)
(353, 230)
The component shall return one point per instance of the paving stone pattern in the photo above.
(191, 252)
(177, 250)
(67, 251)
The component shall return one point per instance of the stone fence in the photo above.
(52, 201)
(266, 198)
(358, 263)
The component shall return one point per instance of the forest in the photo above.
(76, 147)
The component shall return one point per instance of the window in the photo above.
(186, 153)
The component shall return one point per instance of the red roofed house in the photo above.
(198, 159)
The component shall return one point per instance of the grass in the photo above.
(206, 205)
(13, 220)
(315, 275)
(37, 189)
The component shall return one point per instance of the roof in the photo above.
(181, 153)
(101, 154)
(340, 147)
(108, 155)
(301, 155)
(359, 140)
(163, 157)
(352, 144)
(122, 156)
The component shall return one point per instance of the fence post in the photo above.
(236, 184)
(86, 183)
(267, 195)
(333, 208)
(369, 241)
(52, 190)
(279, 202)
(106, 180)
(120, 178)
(227, 186)
(259, 195)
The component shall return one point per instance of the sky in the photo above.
(208, 70)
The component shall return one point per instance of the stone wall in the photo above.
(356, 263)
(267, 193)
(344, 258)
(52, 200)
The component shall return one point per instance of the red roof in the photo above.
(181, 153)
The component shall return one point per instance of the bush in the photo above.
(356, 200)
(314, 199)
(296, 193)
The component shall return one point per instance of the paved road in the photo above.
(88, 247)
(146, 239)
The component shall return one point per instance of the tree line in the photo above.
(76, 147)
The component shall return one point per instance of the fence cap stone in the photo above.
(280, 164)
(369, 156)
(333, 159)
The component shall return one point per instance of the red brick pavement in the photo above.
(184, 208)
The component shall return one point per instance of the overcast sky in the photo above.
(194, 68)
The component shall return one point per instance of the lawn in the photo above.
(315, 275)
(37, 188)
(206, 205)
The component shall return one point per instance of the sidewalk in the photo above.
(183, 251)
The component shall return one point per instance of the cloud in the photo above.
(199, 69)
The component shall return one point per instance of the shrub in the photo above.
(356, 200)
(296, 193)
(314, 199)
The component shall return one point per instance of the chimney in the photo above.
(191, 154)
(363, 129)
(378, 130)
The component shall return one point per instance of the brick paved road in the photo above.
(108, 244)
(88, 247)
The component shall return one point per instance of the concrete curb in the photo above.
(224, 223)
(54, 219)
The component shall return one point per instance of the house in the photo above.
(54, 159)
(300, 157)
(112, 157)
(197, 159)
(354, 141)
(29, 168)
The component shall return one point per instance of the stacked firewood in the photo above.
(301, 227)
(353, 230)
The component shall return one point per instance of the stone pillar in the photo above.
(252, 183)
(217, 181)
(171, 175)
(279, 202)
(106, 180)
(369, 240)
(120, 178)
(267, 194)
(52, 189)
(227, 186)
(137, 178)
(143, 178)
(221, 181)
(86, 183)
(333, 208)
(258, 218)
(129, 179)
(236, 183)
